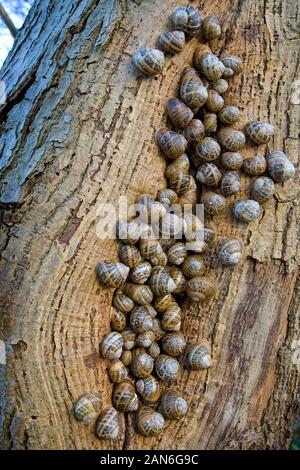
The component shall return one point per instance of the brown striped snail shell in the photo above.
(172, 41)
(179, 113)
(88, 407)
(140, 320)
(214, 102)
(228, 73)
(190, 73)
(208, 174)
(126, 358)
(141, 294)
(172, 405)
(162, 302)
(181, 163)
(123, 395)
(192, 91)
(195, 242)
(127, 231)
(280, 168)
(111, 346)
(122, 302)
(154, 350)
(213, 203)
(149, 423)
(259, 132)
(150, 248)
(159, 260)
(180, 182)
(199, 355)
(108, 424)
(255, 165)
(160, 281)
(179, 279)
(200, 52)
(144, 340)
(230, 252)
(210, 65)
(190, 197)
(211, 28)
(201, 288)
(167, 368)
(177, 253)
(174, 343)
(142, 365)
(149, 389)
(193, 266)
(149, 61)
(262, 189)
(171, 318)
(230, 183)
(232, 160)
(158, 329)
(172, 144)
(193, 223)
(112, 274)
(187, 19)
(209, 235)
(194, 131)
(118, 321)
(234, 63)
(247, 211)
(134, 404)
(151, 212)
(128, 336)
(130, 255)
(208, 149)
(151, 310)
(210, 122)
(117, 371)
(172, 225)
(168, 197)
(229, 114)
(231, 140)
(140, 273)
(220, 86)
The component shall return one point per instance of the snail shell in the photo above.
(179, 279)
(141, 294)
(179, 113)
(255, 165)
(154, 350)
(140, 273)
(151, 212)
(201, 51)
(117, 371)
(88, 407)
(151, 310)
(167, 368)
(210, 122)
(149, 61)
(220, 86)
(194, 131)
(168, 197)
(211, 28)
(149, 389)
(144, 340)
(213, 203)
(187, 19)
(230, 252)
(182, 163)
(262, 189)
(172, 41)
(209, 235)
(208, 174)
(128, 336)
(172, 405)
(158, 329)
(247, 211)
(193, 266)
(112, 274)
(280, 168)
(214, 102)
(130, 255)
(190, 197)
(123, 395)
(126, 358)
(228, 73)
(172, 225)
(162, 303)
(108, 424)
(192, 91)
(149, 423)
(171, 318)
(201, 288)
(208, 149)
(229, 114)
(127, 231)
(193, 223)
(209, 64)
(234, 63)
(150, 248)
(195, 242)
(230, 183)
(159, 260)
(122, 302)
(232, 160)
(160, 281)
(140, 320)
(118, 321)
(259, 132)
(142, 365)
(177, 253)
(111, 346)
(174, 343)
(199, 355)
(172, 144)
(180, 182)
(231, 140)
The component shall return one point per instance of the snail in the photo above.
(117, 371)
(193, 223)
(140, 320)
(160, 281)
(142, 365)
(262, 189)
(180, 182)
(193, 266)
(162, 303)
(230, 252)
(199, 355)
(144, 340)
(182, 163)
(190, 197)
(160, 259)
(209, 235)
(151, 310)
(171, 226)
(209, 64)
(280, 168)
(233, 63)
(230, 139)
(127, 231)
(172, 144)
(172, 41)
(151, 212)
(172, 405)
(88, 407)
(141, 294)
(118, 321)
(208, 149)
(247, 211)
(255, 165)
(168, 197)
(232, 160)
(194, 131)
(154, 350)
(122, 302)
(150, 248)
(195, 242)
(130, 255)
(128, 336)
(149, 389)
(187, 19)
(171, 318)
(179, 113)
(179, 279)
(201, 288)
(140, 273)
(167, 368)
(211, 28)
(158, 329)
(214, 102)
(126, 358)
(176, 253)
(192, 91)
(259, 132)
(108, 424)
(228, 73)
(230, 183)
(111, 346)
(208, 174)
(213, 203)
(149, 423)
(124, 396)
(220, 86)
(174, 343)
(229, 114)
(210, 122)
(112, 274)
(149, 61)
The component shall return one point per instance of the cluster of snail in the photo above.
(161, 250)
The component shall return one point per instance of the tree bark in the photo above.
(78, 130)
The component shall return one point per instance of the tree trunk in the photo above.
(78, 130)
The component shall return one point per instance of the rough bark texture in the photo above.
(78, 130)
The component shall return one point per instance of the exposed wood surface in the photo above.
(78, 130)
